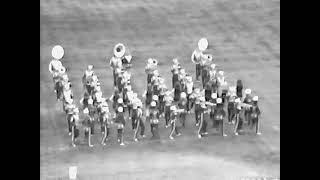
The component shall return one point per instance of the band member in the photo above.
(231, 108)
(120, 81)
(115, 61)
(175, 71)
(69, 106)
(114, 98)
(197, 55)
(212, 71)
(173, 119)
(74, 126)
(203, 123)
(87, 78)
(207, 91)
(177, 91)
(183, 105)
(254, 114)
(105, 120)
(213, 100)
(84, 100)
(148, 95)
(197, 110)
(238, 116)
(154, 120)
(92, 111)
(219, 115)
(55, 65)
(163, 89)
(87, 126)
(168, 102)
(175, 77)
(120, 122)
(189, 90)
(139, 123)
(239, 88)
(247, 100)
(205, 76)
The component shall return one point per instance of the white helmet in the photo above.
(155, 98)
(221, 73)
(173, 108)
(120, 109)
(153, 104)
(120, 100)
(203, 44)
(119, 50)
(175, 61)
(213, 66)
(150, 61)
(209, 57)
(214, 95)
(255, 98)
(219, 100)
(90, 67)
(183, 95)
(247, 91)
(86, 111)
(183, 71)
(57, 52)
(90, 101)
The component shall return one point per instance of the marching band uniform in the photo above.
(189, 90)
(177, 91)
(154, 120)
(247, 100)
(139, 124)
(168, 101)
(88, 121)
(239, 88)
(74, 122)
(105, 120)
(203, 123)
(254, 114)
(69, 111)
(183, 105)
(238, 115)
(173, 119)
(120, 121)
(219, 115)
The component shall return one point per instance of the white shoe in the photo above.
(143, 136)
(179, 134)
(199, 136)
(136, 140)
(73, 145)
(118, 140)
(258, 133)
(122, 144)
(224, 135)
(90, 145)
(197, 124)
(167, 126)
(171, 137)
(236, 134)
(233, 122)
(205, 133)
(103, 144)
(69, 133)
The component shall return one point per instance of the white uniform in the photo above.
(115, 62)
(189, 86)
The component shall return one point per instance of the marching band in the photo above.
(158, 102)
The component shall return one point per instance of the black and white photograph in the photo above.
(160, 90)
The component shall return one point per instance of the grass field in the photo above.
(244, 37)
